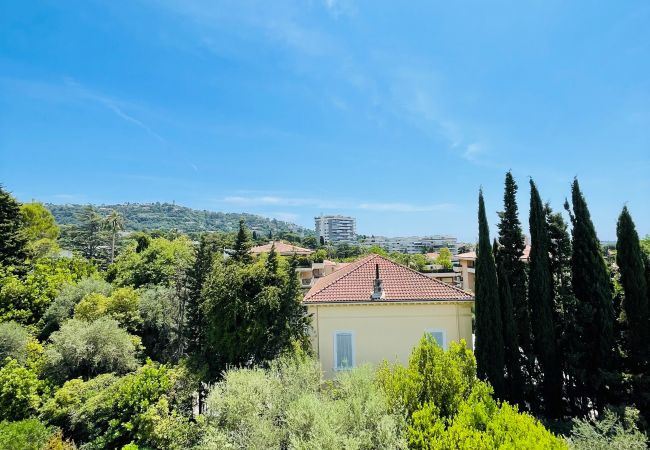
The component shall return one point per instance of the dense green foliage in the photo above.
(447, 407)
(540, 298)
(97, 354)
(595, 313)
(167, 216)
(489, 337)
(13, 241)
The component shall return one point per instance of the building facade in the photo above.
(375, 309)
(336, 228)
(413, 244)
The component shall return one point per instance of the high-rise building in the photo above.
(336, 228)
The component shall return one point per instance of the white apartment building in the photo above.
(336, 228)
(413, 244)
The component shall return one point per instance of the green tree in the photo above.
(26, 298)
(14, 340)
(514, 386)
(609, 432)
(632, 269)
(39, 229)
(30, 434)
(88, 236)
(444, 258)
(13, 243)
(82, 349)
(114, 223)
(489, 337)
(540, 298)
(595, 309)
(566, 306)
(62, 308)
(511, 250)
(20, 391)
(242, 247)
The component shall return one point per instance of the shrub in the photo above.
(610, 432)
(20, 391)
(29, 434)
(81, 349)
(13, 342)
(63, 305)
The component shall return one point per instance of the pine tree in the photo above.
(489, 337)
(243, 245)
(271, 266)
(511, 250)
(632, 270)
(13, 250)
(595, 310)
(540, 298)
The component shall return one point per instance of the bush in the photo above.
(81, 349)
(143, 408)
(288, 406)
(610, 432)
(122, 306)
(30, 434)
(20, 391)
(13, 342)
(63, 305)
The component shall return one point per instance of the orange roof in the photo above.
(355, 282)
(282, 248)
(432, 255)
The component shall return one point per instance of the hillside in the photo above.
(166, 216)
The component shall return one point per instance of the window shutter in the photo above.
(344, 351)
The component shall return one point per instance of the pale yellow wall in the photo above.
(384, 330)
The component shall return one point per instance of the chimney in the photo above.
(378, 290)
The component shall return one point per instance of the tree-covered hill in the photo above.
(167, 216)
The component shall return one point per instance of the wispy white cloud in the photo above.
(113, 105)
(272, 200)
(338, 8)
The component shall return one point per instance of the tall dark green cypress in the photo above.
(540, 298)
(511, 250)
(565, 303)
(632, 270)
(243, 245)
(489, 337)
(595, 356)
(12, 242)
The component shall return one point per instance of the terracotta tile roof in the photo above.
(432, 255)
(354, 283)
(282, 248)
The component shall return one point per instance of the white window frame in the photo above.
(430, 331)
(354, 352)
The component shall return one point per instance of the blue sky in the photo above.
(393, 112)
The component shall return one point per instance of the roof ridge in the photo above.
(350, 269)
(435, 281)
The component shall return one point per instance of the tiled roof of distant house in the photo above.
(355, 283)
(282, 248)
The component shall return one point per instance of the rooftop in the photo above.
(354, 283)
(281, 248)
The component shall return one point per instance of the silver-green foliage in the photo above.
(289, 406)
(608, 433)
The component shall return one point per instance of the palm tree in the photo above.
(114, 222)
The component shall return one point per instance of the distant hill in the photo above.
(166, 216)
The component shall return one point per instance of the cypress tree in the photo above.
(635, 305)
(13, 245)
(511, 250)
(595, 309)
(243, 245)
(566, 328)
(489, 337)
(540, 298)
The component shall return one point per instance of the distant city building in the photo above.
(336, 228)
(413, 244)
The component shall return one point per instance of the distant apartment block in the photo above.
(336, 228)
(413, 244)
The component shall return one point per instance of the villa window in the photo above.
(343, 350)
(440, 337)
